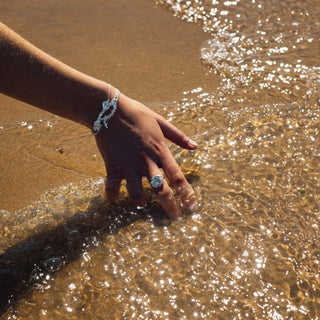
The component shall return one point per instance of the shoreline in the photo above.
(151, 59)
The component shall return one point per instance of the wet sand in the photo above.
(252, 250)
(137, 46)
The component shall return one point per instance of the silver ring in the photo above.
(156, 181)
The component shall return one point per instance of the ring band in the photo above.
(156, 181)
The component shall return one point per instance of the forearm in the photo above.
(34, 77)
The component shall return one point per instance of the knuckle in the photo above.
(158, 145)
(178, 179)
(165, 194)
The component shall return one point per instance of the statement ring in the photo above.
(156, 181)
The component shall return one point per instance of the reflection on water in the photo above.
(253, 249)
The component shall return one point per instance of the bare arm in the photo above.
(29, 74)
(134, 144)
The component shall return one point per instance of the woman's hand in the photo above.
(134, 146)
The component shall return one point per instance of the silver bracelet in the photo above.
(104, 117)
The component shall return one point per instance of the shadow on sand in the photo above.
(22, 265)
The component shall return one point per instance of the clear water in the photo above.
(253, 249)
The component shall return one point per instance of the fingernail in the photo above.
(192, 144)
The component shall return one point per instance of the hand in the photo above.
(134, 146)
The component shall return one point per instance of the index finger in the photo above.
(179, 183)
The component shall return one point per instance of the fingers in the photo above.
(112, 183)
(178, 181)
(175, 135)
(135, 189)
(165, 194)
(134, 186)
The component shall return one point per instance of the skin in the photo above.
(133, 146)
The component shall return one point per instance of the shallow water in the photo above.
(252, 251)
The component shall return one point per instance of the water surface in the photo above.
(252, 251)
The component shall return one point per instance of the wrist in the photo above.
(109, 108)
(88, 110)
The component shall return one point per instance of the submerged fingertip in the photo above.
(193, 207)
(139, 203)
(176, 217)
(188, 198)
